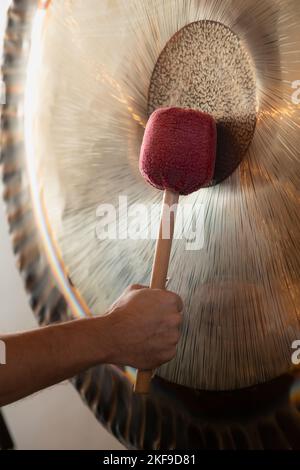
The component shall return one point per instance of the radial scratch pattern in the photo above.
(242, 291)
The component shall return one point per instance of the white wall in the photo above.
(55, 418)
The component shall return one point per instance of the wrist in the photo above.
(101, 336)
(89, 341)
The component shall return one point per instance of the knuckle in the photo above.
(179, 303)
(175, 338)
(135, 287)
(176, 301)
(166, 357)
(178, 319)
(171, 353)
(170, 297)
(174, 320)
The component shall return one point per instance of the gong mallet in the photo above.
(178, 156)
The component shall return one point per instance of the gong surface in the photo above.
(94, 76)
(171, 416)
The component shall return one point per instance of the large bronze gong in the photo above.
(81, 79)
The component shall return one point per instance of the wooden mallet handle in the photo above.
(160, 268)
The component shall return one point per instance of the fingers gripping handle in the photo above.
(160, 267)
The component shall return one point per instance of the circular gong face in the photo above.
(95, 70)
(245, 301)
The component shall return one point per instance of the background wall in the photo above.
(55, 418)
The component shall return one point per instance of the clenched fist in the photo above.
(144, 326)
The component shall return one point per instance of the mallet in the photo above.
(178, 156)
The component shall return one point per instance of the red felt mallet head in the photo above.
(179, 150)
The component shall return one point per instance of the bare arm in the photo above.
(141, 329)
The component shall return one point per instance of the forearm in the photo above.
(46, 356)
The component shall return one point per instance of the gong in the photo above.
(81, 80)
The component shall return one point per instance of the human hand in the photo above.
(144, 325)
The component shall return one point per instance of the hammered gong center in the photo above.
(205, 66)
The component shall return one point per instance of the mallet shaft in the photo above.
(160, 267)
